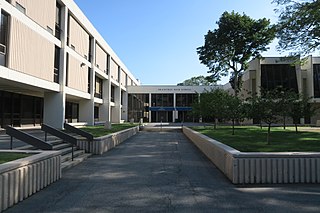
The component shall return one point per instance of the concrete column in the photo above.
(150, 105)
(105, 108)
(124, 109)
(175, 112)
(54, 102)
(116, 111)
(86, 107)
(54, 109)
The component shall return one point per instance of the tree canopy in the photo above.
(197, 81)
(298, 27)
(229, 48)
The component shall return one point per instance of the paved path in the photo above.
(162, 172)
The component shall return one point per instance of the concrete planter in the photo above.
(21, 178)
(103, 144)
(258, 167)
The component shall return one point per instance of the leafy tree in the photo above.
(300, 108)
(237, 40)
(299, 26)
(212, 105)
(265, 107)
(197, 81)
(284, 99)
(234, 109)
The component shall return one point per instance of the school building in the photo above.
(55, 67)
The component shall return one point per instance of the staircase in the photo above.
(59, 145)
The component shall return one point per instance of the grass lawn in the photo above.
(254, 139)
(98, 131)
(6, 157)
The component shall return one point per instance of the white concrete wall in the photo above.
(22, 178)
(258, 168)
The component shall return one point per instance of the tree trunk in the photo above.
(284, 122)
(296, 125)
(232, 126)
(260, 124)
(235, 81)
(268, 135)
(215, 123)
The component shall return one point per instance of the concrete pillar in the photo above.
(54, 109)
(175, 112)
(105, 108)
(150, 105)
(116, 111)
(124, 109)
(54, 102)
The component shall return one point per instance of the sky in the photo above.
(157, 39)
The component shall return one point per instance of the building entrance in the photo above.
(164, 116)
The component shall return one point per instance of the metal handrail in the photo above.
(27, 138)
(64, 136)
(78, 131)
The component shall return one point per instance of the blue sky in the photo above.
(157, 39)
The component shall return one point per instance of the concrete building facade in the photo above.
(271, 72)
(163, 103)
(55, 67)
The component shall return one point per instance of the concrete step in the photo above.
(68, 164)
(68, 157)
(67, 150)
(61, 146)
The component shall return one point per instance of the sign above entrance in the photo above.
(170, 108)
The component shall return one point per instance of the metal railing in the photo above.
(78, 131)
(27, 138)
(64, 136)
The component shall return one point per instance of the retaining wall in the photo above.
(103, 144)
(256, 167)
(21, 178)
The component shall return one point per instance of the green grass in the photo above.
(6, 156)
(98, 131)
(254, 139)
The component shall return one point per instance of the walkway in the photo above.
(162, 172)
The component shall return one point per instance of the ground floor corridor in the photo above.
(162, 172)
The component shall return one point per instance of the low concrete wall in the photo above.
(21, 178)
(256, 167)
(103, 144)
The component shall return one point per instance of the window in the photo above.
(316, 80)
(162, 100)
(112, 93)
(56, 64)
(3, 38)
(98, 88)
(275, 75)
(72, 112)
(89, 80)
(67, 69)
(20, 8)
(96, 113)
(58, 22)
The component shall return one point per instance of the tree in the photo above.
(265, 107)
(197, 81)
(300, 108)
(284, 99)
(211, 105)
(298, 28)
(234, 109)
(237, 40)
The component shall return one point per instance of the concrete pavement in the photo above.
(162, 172)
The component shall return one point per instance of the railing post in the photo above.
(72, 153)
(45, 136)
(11, 142)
